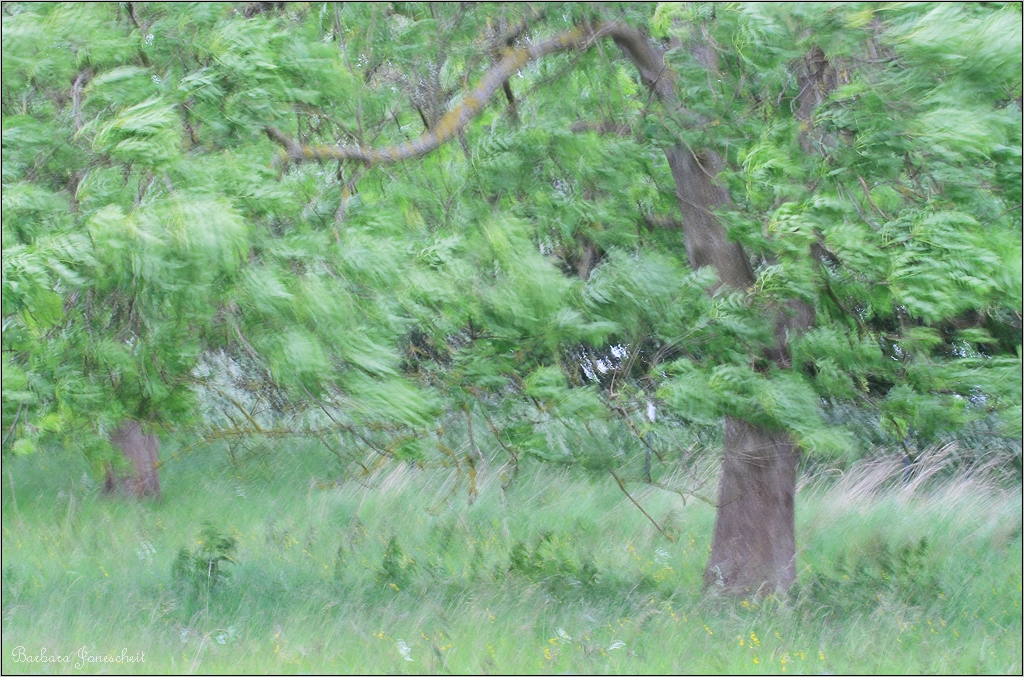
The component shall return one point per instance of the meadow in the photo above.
(269, 564)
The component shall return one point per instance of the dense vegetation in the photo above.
(459, 238)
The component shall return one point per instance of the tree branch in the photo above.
(633, 500)
(602, 127)
(655, 222)
(647, 60)
(11, 431)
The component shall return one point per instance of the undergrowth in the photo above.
(865, 578)
(197, 573)
(273, 569)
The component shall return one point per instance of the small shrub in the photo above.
(551, 563)
(200, 571)
(879, 573)
(395, 568)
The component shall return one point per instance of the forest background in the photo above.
(512, 337)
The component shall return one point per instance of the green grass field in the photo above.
(396, 573)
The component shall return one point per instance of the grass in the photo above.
(395, 574)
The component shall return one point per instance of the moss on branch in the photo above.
(636, 47)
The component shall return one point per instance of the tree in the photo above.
(847, 177)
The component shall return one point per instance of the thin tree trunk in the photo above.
(142, 451)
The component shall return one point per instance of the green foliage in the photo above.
(526, 275)
(395, 568)
(879, 575)
(552, 562)
(199, 572)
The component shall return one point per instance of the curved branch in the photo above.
(647, 60)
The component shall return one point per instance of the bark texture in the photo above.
(142, 452)
(707, 243)
(754, 549)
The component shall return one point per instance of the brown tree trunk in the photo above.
(707, 243)
(754, 548)
(142, 452)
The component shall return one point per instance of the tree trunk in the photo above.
(707, 243)
(142, 452)
(754, 548)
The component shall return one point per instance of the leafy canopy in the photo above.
(527, 281)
